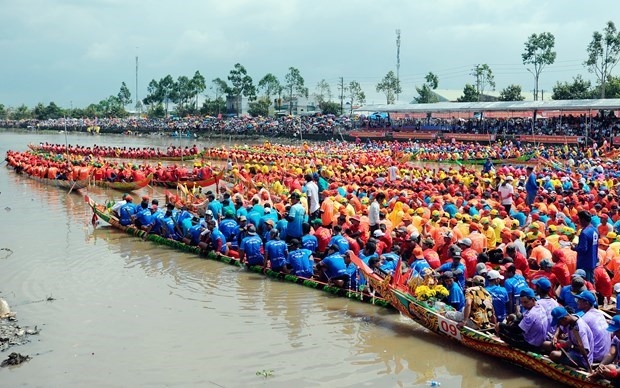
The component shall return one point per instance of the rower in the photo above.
(576, 350)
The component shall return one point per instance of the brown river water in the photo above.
(130, 313)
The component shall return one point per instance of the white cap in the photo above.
(510, 178)
(465, 241)
(617, 288)
(378, 233)
(493, 274)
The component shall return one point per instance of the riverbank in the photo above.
(12, 334)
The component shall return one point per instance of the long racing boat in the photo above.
(103, 213)
(426, 315)
(125, 186)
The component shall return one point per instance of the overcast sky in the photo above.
(77, 52)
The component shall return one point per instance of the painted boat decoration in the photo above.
(125, 186)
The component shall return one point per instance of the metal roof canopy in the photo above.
(503, 106)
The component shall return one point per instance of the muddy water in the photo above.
(130, 313)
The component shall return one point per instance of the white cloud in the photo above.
(74, 43)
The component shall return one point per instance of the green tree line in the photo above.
(271, 94)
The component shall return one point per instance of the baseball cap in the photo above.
(527, 292)
(617, 288)
(543, 283)
(465, 241)
(557, 314)
(209, 213)
(580, 273)
(587, 296)
(478, 280)
(614, 324)
(447, 275)
(546, 263)
(378, 233)
(251, 229)
(243, 218)
(481, 268)
(493, 274)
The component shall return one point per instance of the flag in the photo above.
(396, 278)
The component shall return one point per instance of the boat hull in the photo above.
(191, 184)
(125, 186)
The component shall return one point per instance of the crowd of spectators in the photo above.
(598, 127)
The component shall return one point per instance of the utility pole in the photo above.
(542, 95)
(397, 58)
(138, 105)
(341, 86)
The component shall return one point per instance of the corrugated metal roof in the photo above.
(507, 106)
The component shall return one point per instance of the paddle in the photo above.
(579, 344)
(71, 189)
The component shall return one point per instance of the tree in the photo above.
(511, 93)
(51, 111)
(161, 92)
(603, 54)
(213, 107)
(259, 107)
(3, 112)
(612, 87)
(220, 87)
(390, 86)
(579, 89)
(21, 112)
(539, 53)
(198, 85)
(356, 94)
(242, 85)
(425, 93)
(330, 108)
(323, 92)
(470, 94)
(484, 77)
(294, 85)
(270, 85)
(156, 111)
(182, 95)
(124, 96)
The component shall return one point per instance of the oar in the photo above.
(71, 189)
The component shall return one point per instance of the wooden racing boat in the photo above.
(101, 212)
(119, 155)
(125, 186)
(191, 183)
(61, 183)
(424, 314)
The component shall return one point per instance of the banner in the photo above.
(550, 139)
(414, 135)
(469, 137)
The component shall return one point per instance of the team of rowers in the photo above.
(412, 150)
(530, 254)
(78, 167)
(118, 152)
